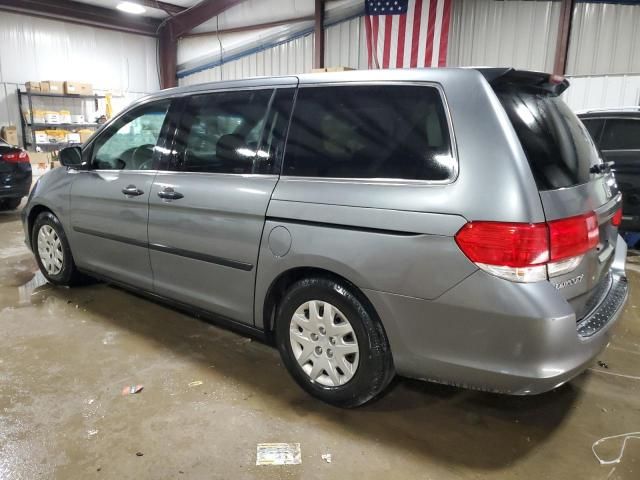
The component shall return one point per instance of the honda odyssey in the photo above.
(451, 225)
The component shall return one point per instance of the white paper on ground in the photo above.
(278, 454)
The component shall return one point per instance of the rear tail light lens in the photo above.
(616, 220)
(16, 157)
(529, 252)
(573, 236)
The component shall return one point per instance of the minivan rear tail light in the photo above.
(529, 252)
(616, 220)
(15, 157)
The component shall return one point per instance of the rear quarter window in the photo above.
(377, 131)
(558, 146)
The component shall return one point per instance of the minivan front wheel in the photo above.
(52, 252)
(332, 345)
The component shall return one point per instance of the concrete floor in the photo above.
(66, 354)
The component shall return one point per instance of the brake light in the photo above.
(529, 252)
(16, 157)
(573, 236)
(616, 220)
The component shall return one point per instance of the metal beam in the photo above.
(257, 26)
(190, 18)
(564, 32)
(177, 26)
(82, 14)
(167, 57)
(318, 47)
(169, 8)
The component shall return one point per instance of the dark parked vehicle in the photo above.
(15, 176)
(617, 133)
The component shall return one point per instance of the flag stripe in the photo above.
(367, 28)
(387, 41)
(444, 35)
(408, 36)
(402, 27)
(431, 23)
(415, 44)
(424, 30)
(393, 53)
(374, 36)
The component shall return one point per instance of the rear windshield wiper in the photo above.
(604, 167)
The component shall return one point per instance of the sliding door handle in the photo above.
(132, 191)
(168, 193)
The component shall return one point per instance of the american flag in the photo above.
(407, 33)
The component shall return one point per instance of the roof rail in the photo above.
(611, 109)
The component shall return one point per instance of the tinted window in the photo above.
(621, 134)
(558, 146)
(594, 126)
(221, 132)
(376, 131)
(129, 143)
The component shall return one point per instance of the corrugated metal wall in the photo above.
(285, 59)
(521, 34)
(605, 39)
(346, 45)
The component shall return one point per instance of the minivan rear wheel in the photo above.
(52, 252)
(332, 344)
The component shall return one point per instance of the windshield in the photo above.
(558, 146)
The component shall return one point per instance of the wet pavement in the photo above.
(66, 354)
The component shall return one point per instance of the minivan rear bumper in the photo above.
(494, 335)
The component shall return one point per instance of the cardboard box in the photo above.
(77, 88)
(10, 135)
(85, 134)
(34, 87)
(86, 89)
(41, 136)
(74, 137)
(52, 86)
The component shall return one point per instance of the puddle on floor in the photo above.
(32, 288)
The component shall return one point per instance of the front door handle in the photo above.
(169, 193)
(132, 191)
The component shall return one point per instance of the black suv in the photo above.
(617, 134)
(15, 176)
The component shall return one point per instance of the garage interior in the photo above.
(206, 396)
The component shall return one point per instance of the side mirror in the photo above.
(71, 157)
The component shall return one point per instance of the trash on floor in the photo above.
(326, 457)
(132, 389)
(278, 454)
(91, 433)
(626, 437)
(196, 383)
(602, 364)
(139, 454)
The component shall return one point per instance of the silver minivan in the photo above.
(451, 225)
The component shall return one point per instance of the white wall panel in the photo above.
(285, 59)
(514, 33)
(605, 39)
(33, 48)
(603, 91)
(345, 44)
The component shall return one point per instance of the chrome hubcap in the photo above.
(324, 343)
(50, 250)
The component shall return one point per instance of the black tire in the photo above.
(10, 203)
(375, 365)
(68, 275)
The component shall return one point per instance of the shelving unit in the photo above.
(29, 137)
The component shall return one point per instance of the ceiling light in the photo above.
(131, 7)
